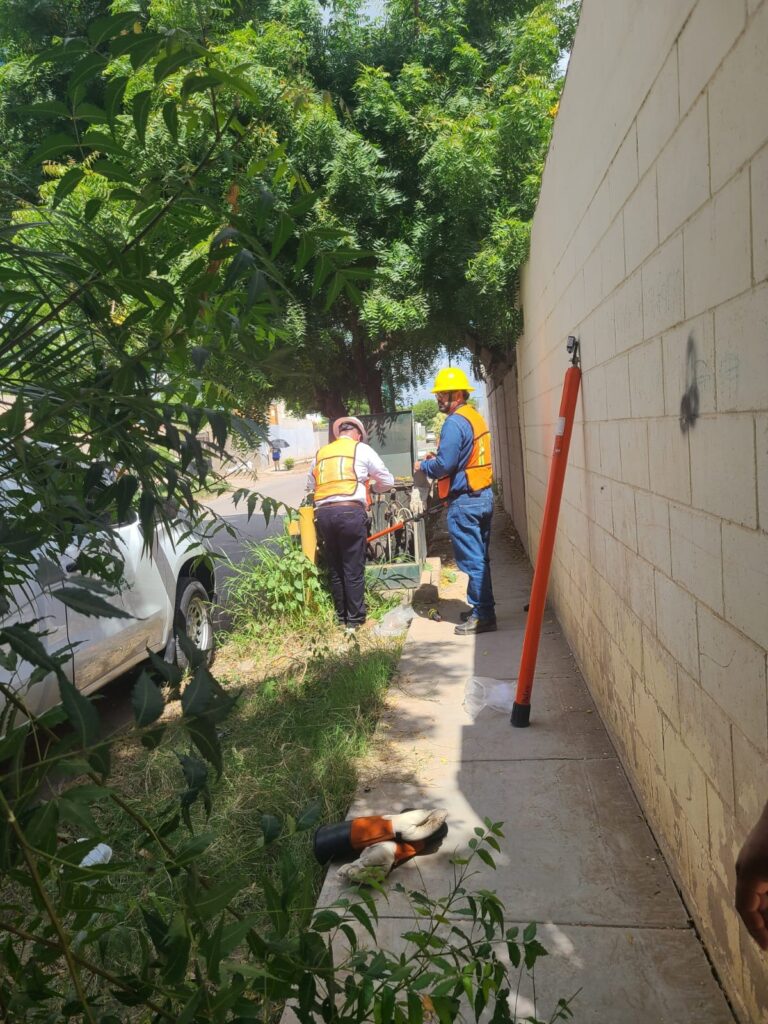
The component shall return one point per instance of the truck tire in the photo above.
(193, 617)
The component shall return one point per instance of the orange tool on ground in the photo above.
(521, 709)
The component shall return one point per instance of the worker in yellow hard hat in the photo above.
(338, 476)
(462, 468)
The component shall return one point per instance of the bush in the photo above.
(276, 585)
(290, 463)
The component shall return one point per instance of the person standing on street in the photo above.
(338, 477)
(276, 458)
(462, 468)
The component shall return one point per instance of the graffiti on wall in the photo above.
(689, 403)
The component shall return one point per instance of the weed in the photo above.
(276, 586)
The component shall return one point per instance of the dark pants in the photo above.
(343, 530)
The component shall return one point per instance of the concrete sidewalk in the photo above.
(579, 858)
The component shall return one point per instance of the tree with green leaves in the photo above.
(425, 412)
(422, 135)
(426, 150)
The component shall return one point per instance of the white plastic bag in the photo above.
(483, 692)
(396, 621)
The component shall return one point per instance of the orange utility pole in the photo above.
(521, 710)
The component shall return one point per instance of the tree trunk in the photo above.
(367, 370)
(330, 404)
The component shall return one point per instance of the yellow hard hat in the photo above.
(451, 379)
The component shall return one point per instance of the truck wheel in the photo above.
(193, 617)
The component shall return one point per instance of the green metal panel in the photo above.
(393, 437)
(394, 575)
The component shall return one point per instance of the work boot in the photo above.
(475, 625)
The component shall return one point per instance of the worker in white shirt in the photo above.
(338, 476)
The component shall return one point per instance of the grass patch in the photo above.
(310, 697)
(295, 739)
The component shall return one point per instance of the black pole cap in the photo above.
(521, 715)
(333, 841)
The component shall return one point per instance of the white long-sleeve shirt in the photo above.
(368, 466)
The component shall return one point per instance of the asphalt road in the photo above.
(234, 543)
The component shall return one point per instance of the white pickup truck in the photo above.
(172, 584)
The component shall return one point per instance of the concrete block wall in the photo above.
(650, 242)
(507, 450)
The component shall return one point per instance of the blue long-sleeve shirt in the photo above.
(456, 440)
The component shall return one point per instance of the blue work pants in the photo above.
(469, 525)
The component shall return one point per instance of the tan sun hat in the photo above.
(337, 425)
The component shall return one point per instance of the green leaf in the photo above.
(113, 97)
(326, 921)
(99, 142)
(217, 899)
(357, 911)
(192, 849)
(309, 817)
(485, 857)
(530, 932)
(112, 171)
(197, 83)
(167, 669)
(195, 771)
(284, 230)
(171, 63)
(80, 712)
(198, 693)
(40, 827)
(271, 828)
(171, 118)
(152, 739)
(139, 46)
(84, 601)
(142, 103)
(91, 208)
(202, 732)
(239, 266)
(85, 70)
(53, 145)
(156, 927)
(90, 112)
(147, 701)
(51, 108)
(415, 1009)
(236, 83)
(533, 950)
(62, 52)
(27, 644)
(111, 25)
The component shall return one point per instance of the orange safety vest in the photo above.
(478, 467)
(334, 470)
